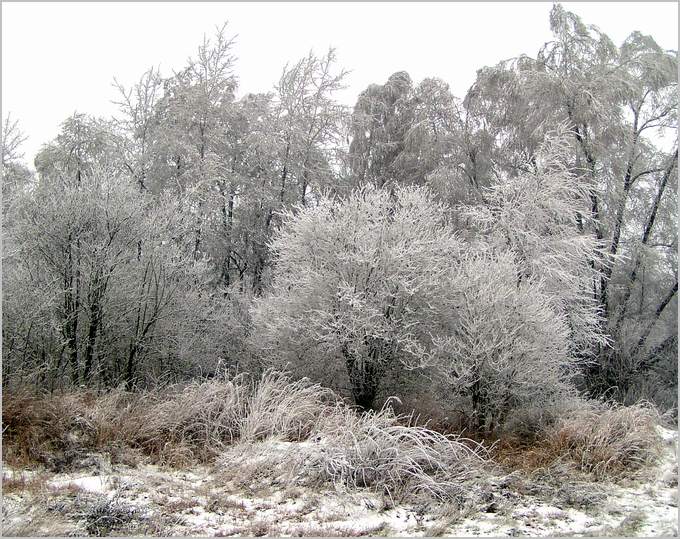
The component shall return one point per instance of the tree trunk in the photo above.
(657, 314)
(365, 374)
(365, 380)
(95, 318)
(227, 222)
(71, 309)
(130, 368)
(649, 225)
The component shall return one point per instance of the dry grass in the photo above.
(57, 430)
(32, 428)
(192, 423)
(439, 528)
(105, 515)
(389, 453)
(259, 528)
(283, 408)
(40, 522)
(386, 452)
(608, 440)
(22, 484)
(602, 440)
(328, 530)
(178, 426)
(376, 450)
(311, 530)
(220, 503)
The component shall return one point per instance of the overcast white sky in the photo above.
(58, 58)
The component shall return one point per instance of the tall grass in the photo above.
(608, 439)
(280, 407)
(388, 452)
(182, 425)
(193, 422)
(177, 425)
(603, 440)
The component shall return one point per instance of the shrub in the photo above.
(601, 439)
(504, 347)
(356, 287)
(107, 515)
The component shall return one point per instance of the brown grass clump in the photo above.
(178, 426)
(22, 483)
(42, 430)
(609, 440)
(603, 440)
(192, 423)
(199, 421)
(57, 430)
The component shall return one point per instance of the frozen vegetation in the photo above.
(278, 315)
(234, 458)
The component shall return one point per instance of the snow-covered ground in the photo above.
(237, 500)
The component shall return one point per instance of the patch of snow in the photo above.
(95, 483)
(667, 435)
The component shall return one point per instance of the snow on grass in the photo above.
(222, 501)
(94, 483)
(17, 475)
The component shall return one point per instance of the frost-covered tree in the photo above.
(100, 286)
(535, 216)
(15, 175)
(380, 121)
(503, 344)
(380, 282)
(619, 104)
(138, 123)
(357, 285)
(304, 133)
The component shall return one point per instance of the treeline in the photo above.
(497, 251)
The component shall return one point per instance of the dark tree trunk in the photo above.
(365, 373)
(130, 368)
(72, 308)
(657, 314)
(479, 407)
(649, 225)
(95, 318)
(364, 378)
(227, 223)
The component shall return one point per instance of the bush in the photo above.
(505, 347)
(357, 287)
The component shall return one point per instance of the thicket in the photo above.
(496, 254)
